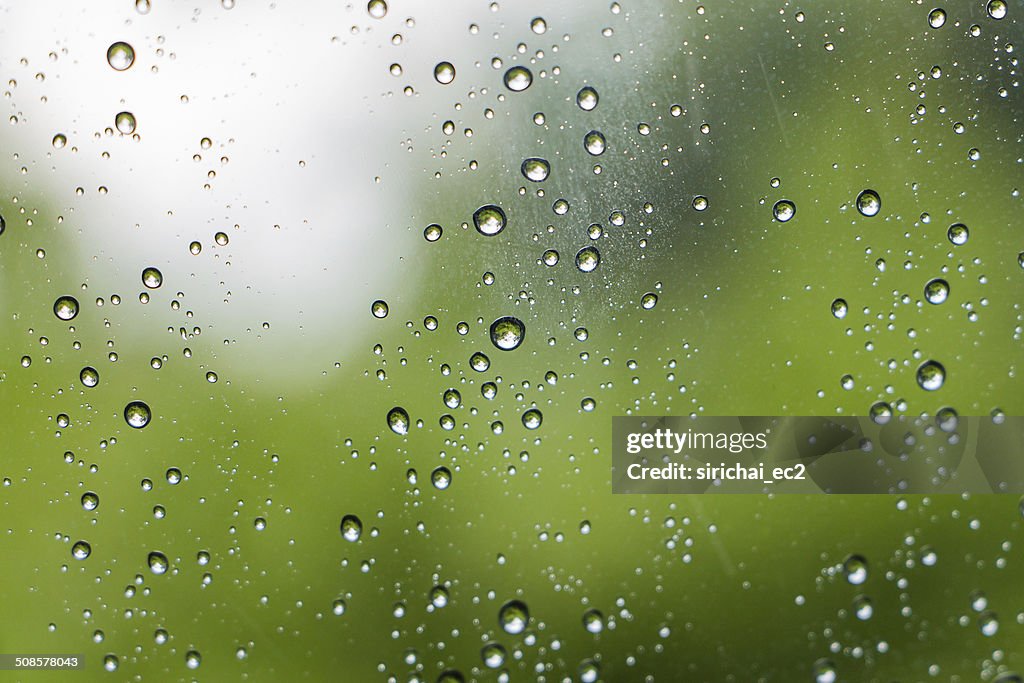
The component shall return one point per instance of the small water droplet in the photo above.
(479, 362)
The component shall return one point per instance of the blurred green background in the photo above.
(289, 128)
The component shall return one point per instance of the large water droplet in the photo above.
(120, 56)
(958, 234)
(479, 362)
(377, 8)
(398, 420)
(152, 278)
(89, 376)
(507, 333)
(532, 418)
(784, 210)
(493, 655)
(535, 169)
(593, 621)
(81, 550)
(594, 143)
(869, 203)
(936, 291)
(158, 563)
(825, 671)
(379, 308)
(90, 501)
(588, 259)
(855, 569)
(931, 375)
(66, 307)
(996, 9)
(839, 308)
(587, 98)
(648, 301)
(518, 78)
(137, 414)
(351, 528)
(937, 17)
(125, 122)
(441, 478)
(513, 617)
(489, 220)
(444, 73)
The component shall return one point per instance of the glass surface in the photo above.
(316, 316)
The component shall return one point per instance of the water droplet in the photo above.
(173, 476)
(489, 220)
(589, 671)
(649, 301)
(784, 210)
(507, 333)
(863, 608)
(66, 307)
(839, 308)
(398, 420)
(493, 655)
(700, 203)
(931, 375)
(452, 398)
(594, 143)
(936, 291)
(432, 232)
(89, 376)
(193, 659)
(538, 25)
(937, 17)
(81, 550)
(195, 248)
(958, 234)
(513, 617)
(869, 203)
(152, 278)
(518, 78)
(996, 9)
(439, 597)
(137, 414)
(59, 140)
(158, 563)
(377, 8)
(550, 257)
(351, 528)
(535, 169)
(120, 56)
(587, 98)
(90, 501)
(855, 569)
(221, 238)
(593, 621)
(988, 623)
(379, 308)
(441, 478)
(532, 418)
(125, 122)
(825, 671)
(444, 73)
(479, 362)
(588, 259)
